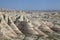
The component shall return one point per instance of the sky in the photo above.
(30, 4)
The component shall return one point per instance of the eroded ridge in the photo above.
(13, 26)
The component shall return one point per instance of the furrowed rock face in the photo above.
(15, 25)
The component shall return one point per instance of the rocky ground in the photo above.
(25, 25)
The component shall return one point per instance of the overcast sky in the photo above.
(30, 4)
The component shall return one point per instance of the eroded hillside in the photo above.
(23, 25)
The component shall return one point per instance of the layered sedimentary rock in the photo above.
(17, 24)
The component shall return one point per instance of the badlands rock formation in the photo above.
(23, 25)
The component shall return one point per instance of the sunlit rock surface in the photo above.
(24, 25)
